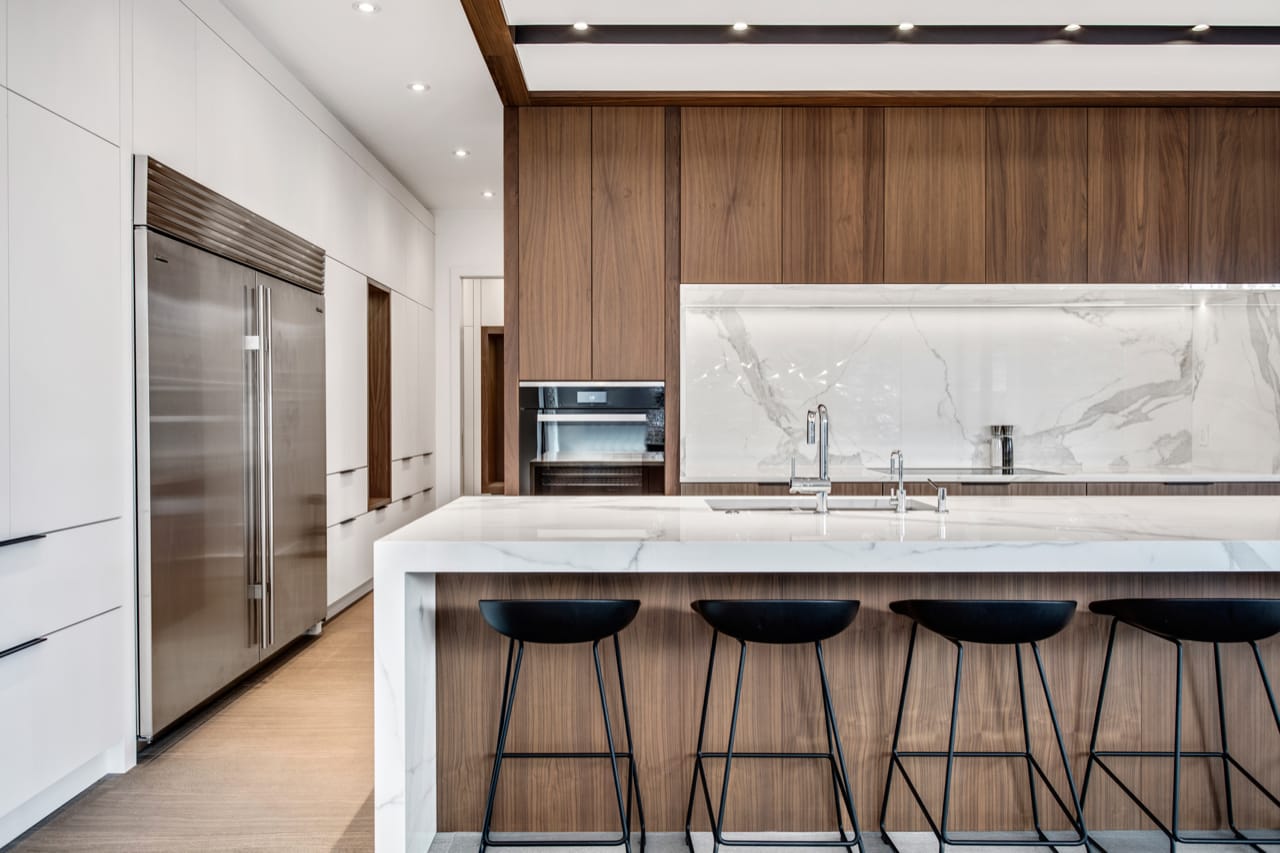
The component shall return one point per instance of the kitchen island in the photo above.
(439, 669)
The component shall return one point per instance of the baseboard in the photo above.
(350, 598)
(28, 815)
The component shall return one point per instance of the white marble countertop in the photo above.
(979, 534)
(853, 474)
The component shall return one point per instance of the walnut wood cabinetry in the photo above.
(832, 195)
(555, 243)
(1138, 194)
(731, 194)
(1235, 185)
(935, 167)
(1037, 216)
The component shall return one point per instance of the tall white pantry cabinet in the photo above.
(85, 85)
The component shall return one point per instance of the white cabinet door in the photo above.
(4, 43)
(62, 702)
(421, 261)
(426, 380)
(4, 310)
(164, 83)
(348, 495)
(65, 56)
(350, 556)
(404, 376)
(69, 376)
(346, 337)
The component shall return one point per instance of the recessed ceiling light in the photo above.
(906, 26)
(1073, 28)
(461, 152)
(740, 26)
(365, 7)
(581, 26)
(1199, 28)
(487, 193)
(418, 87)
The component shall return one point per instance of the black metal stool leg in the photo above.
(697, 756)
(1177, 754)
(1062, 752)
(1266, 683)
(613, 755)
(1097, 714)
(510, 682)
(717, 830)
(951, 749)
(833, 733)
(1222, 733)
(897, 734)
(633, 777)
(1026, 740)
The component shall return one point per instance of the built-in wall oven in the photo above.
(592, 439)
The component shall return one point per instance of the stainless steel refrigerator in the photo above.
(231, 454)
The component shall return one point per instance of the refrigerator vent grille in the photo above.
(182, 208)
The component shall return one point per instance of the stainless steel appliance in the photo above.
(592, 439)
(231, 444)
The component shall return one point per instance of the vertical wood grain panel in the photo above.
(665, 654)
(627, 259)
(511, 300)
(379, 413)
(731, 195)
(555, 243)
(1037, 183)
(832, 195)
(671, 272)
(1235, 195)
(1138, 201)
(935, 161)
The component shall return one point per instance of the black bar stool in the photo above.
(775, 623)
(1218, 621)
(1011, 623)
(561, 622)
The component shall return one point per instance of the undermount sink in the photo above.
(806, 503)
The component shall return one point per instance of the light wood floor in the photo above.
(286, 764)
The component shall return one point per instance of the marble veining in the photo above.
(1093, 389)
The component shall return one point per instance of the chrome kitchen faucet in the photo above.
(818, 432)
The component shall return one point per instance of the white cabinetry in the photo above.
(4, 309)
(426, 421)
(60, 705)
(65, 55)
(348, 495)
(164, 83)
(346, 335)
(67, 317)
(350, 556)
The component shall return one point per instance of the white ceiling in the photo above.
(1171, 12)
(359, 67)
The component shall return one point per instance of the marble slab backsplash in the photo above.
(1106, 389)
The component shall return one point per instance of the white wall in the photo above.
(84, 85)
(468, 244)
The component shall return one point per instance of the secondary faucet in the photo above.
(818, 432)
(900, 496)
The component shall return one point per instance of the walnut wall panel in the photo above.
(1037, 182)
(832, 195)
(731, 195)
(1138, 194)
(628, 308)
(665, 655)
(935, 163)
(555, 243)
(1235, 195)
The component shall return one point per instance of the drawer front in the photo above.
(350, 557)
(348, 495)
(426, 472)
(61, 579)
(412, 475)
(61, 703)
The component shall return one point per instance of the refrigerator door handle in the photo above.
(263, 473)
(268, 510)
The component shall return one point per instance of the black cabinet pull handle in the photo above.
(346, 521)
(348, 471)
(13, 650)
(18, 540)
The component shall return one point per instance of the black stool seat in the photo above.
(992, 622)
(1203, 620)
(548, 620)
(777, 621)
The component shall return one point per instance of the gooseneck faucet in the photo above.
(897, 465)
(818, 432)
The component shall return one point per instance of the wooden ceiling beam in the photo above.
(489, 24)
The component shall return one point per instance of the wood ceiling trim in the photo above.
(906, 99)
(489, 24)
